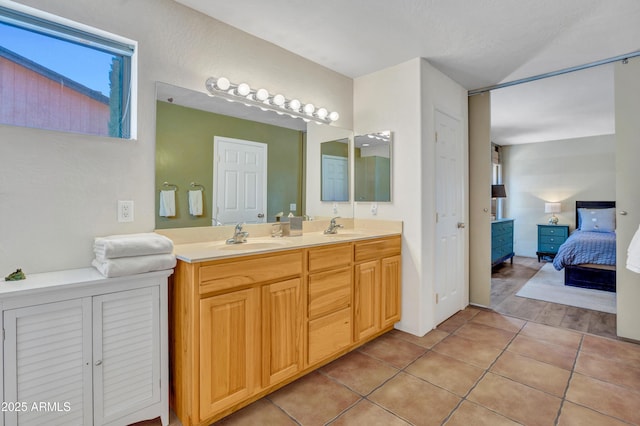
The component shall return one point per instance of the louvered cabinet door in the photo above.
(126, 353)
(47, 364)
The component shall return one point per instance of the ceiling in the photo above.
(477, 43)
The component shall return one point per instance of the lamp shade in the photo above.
(498, 191)
(552, 207)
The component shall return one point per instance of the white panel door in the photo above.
(48, 364)
(126, 352)
(240, 181)
(449, 265)
(335, 178)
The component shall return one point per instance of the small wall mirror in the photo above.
(372, 166)
(334, 170)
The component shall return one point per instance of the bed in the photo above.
(588, 256)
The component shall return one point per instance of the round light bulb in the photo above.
(243, 89)
(223, 83)
(334, 116)
(309, 108)
(262, 94)
(278, 100)
(322, 113)
(294, 105)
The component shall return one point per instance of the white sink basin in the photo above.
(255, 245)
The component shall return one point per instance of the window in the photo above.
(59, 75)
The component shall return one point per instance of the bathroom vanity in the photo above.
(247, 319)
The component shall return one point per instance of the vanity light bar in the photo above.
(262, 99)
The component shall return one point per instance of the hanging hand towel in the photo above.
(633, 254)
(195, 203)
(167, 203)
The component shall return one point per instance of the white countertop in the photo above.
(218, 249)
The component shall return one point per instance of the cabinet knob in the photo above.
(99, 362)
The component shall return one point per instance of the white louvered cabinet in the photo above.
(92, 352)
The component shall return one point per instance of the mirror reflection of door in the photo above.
(334, 170)
(240, 181)
(335, 178)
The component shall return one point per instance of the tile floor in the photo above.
(521, 363)
(477, 368)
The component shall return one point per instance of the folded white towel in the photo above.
(167, 203)
(134, 265)
(633, 253)
(195, 203)
(115, 246)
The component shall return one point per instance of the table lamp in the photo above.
(552, 208)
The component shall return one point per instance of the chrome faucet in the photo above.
(333, 226)
(239, 236)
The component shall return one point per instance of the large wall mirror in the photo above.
(372, 166)
(188, 123)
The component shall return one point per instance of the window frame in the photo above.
(96, 39)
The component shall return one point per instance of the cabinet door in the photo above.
(282, 322)
(366, 299)
(229, 349)
(48, 359)
(126, 352)
(390, 292)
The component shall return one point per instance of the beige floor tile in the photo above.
(427, 341)
(359, 372)
(473, 414)
(542, 376)
(415, 400)
(261, 412)
(622, 374)
(575, 415)
(446, 372)
(606, 398)
(496, 320)
(365, 413)
(469, 351)
(613, 350)
(556, 336)
(485, 334)
(452, 324)
(314, 399)
(516, 401)
(396, 352)
(560, 356)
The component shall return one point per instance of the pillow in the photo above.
(597, 220)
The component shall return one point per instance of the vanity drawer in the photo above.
(328, 335)
(333, 256)
(329, 292)
(245, 271)
(376, 249)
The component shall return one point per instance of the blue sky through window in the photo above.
(90, 68)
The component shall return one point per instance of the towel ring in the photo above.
(170, 186)
(197, 186)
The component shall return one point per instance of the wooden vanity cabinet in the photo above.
(330, 299)
(242, 327)
(237, 328)
(377, 285)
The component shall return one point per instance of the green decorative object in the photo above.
(16, 276)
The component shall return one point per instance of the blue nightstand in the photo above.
(550, 237)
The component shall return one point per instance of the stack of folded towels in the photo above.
(119, 255)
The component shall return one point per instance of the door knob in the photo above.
(99, 362)
(461, 225)
(623, 213)
(260, 215)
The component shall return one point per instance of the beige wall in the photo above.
(627, 98)
(557, 171)
(480, 199)
(403, 99)
(59, 190)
